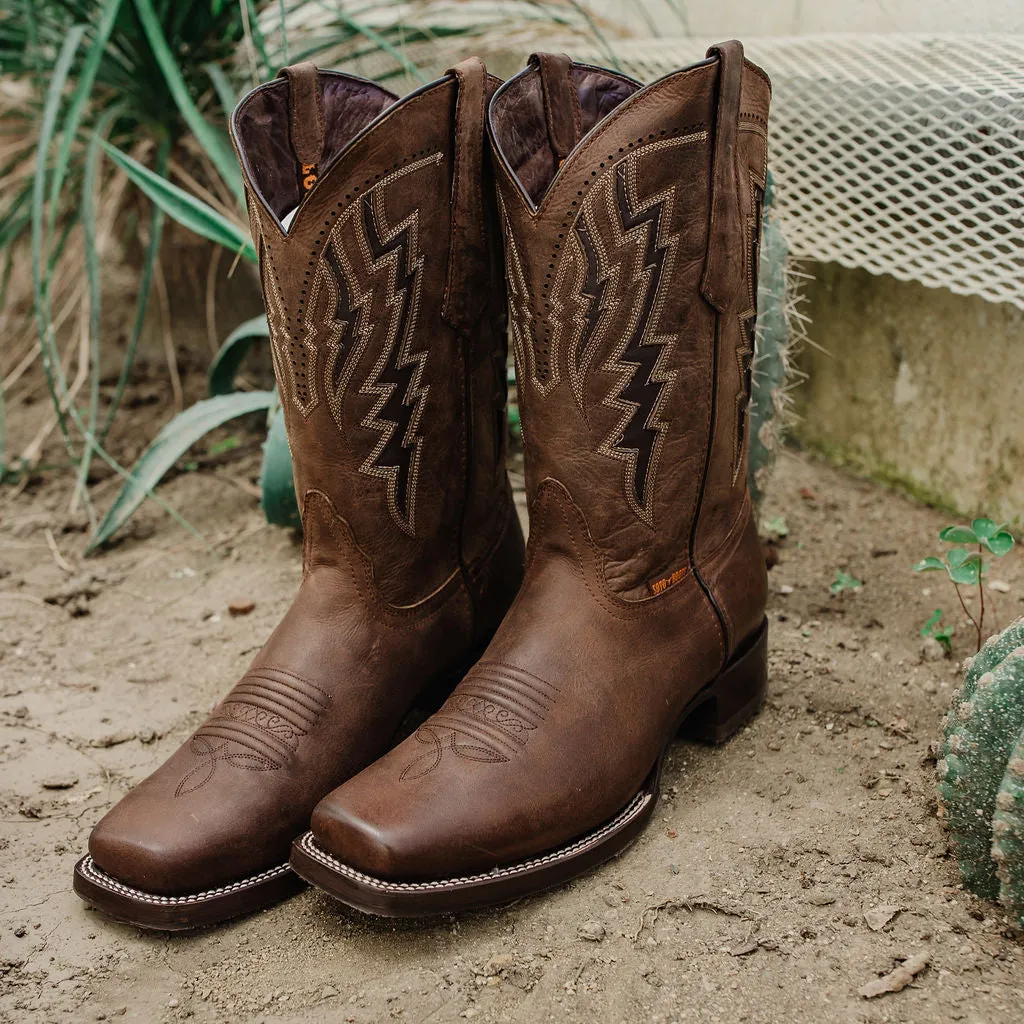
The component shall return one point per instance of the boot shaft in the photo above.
(384, 302)
(631, 218)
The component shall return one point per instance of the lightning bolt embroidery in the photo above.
(626, 271)
(397, 379)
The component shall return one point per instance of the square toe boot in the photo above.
(631, 220)
(380, 262)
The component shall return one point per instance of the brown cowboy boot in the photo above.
(386, 305)
(631, 217)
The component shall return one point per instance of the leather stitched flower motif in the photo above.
(211, 756)
(428, 761)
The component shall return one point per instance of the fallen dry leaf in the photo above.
(896, 980)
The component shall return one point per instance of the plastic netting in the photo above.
(899, 154)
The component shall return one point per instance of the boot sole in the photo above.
(180, 913)
(720, 709)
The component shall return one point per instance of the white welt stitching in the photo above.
(94, 874)
(632, 809)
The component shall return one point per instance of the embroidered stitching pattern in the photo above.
(257, 727)
(619, 256)
(368, 282)
(489, 718)
(540, 367)
(633, 809)
(748, 325)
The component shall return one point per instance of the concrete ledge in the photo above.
(920, 388)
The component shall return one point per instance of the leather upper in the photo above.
(631, 219)
(384, 300)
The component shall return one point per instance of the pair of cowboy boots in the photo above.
(627, 247)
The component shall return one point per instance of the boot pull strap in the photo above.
(723, 267)
(465, 290)
(305, 119)
(561, 102)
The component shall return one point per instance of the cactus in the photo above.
(780, 329)
(981, 771)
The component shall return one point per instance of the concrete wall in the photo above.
(920, 388)
(742, 18)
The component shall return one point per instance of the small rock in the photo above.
(146, 735)
(241, 606)
(784, 589)
(329, 992)
(112, 739)
(591, 931)
(21, 931)
(64, 781)
(878, 917)
(744, 949)
(932, 650)
(930, 686)
(999, 586)
(172, 1003)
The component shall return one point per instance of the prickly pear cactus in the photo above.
(981, 771)
(778, 333)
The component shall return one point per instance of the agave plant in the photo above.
(174, 151)
(122, 104)
(145, 83)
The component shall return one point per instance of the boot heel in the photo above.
(729, 702)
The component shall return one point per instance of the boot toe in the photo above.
(141, 853)
(362, 840)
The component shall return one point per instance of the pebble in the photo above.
(329, 992)
(241, 606)
(65, 781)
(592, 931)
(932, 650)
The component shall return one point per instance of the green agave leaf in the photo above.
(929, 564)
(958, 535)
(188, 211)
(276, 479)
(1000, 543)
(231, 354)
(214, 142)
(86, 76)
(169, 445)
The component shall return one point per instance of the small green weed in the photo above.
(967, 568)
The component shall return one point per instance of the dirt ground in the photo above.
(782, 872)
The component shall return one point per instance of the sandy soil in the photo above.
(782, 872)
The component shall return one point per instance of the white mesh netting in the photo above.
(899, 154)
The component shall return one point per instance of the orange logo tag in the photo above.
(308, 176)
(660, 586)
